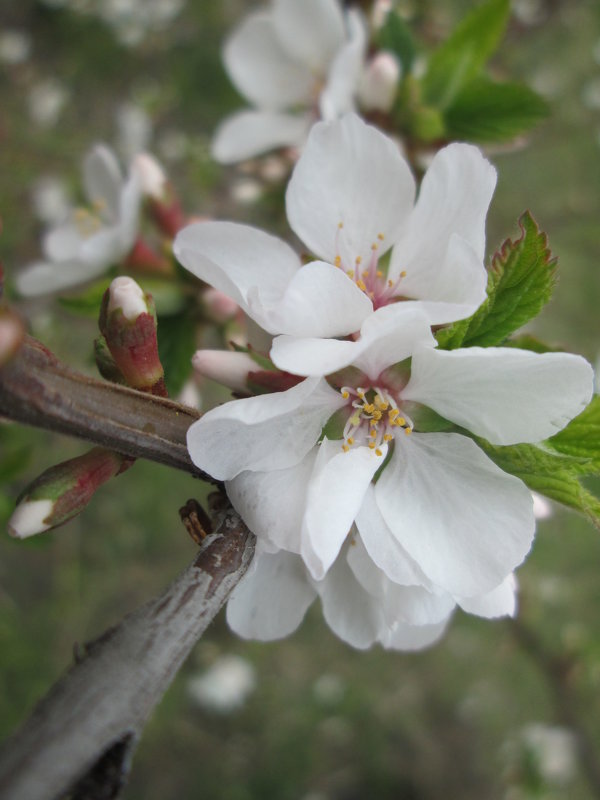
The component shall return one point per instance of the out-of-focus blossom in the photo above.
(225, 686)
(134, 130)
(15, 46)
(46, 101)
(51, 200)
(541, 507)
(554, 751)
(306, 56)
(379, 83)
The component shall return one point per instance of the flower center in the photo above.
(374, 419)
(369, 278)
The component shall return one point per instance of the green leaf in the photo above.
(176, 346)
(87, 302)
(396, 37)
(581, 437)
(462, 56)
(484, 111)
(528, 342)
(554, 475)
(520, 283)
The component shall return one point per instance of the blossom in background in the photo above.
(225, 686)
(351, 200)
(306, 55)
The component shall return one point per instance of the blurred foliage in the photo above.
(445, 723)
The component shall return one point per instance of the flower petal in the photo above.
(351, 612)
(345, 72)
(250, 133)
(414, 637)
(102, 181)
(388, 336)
(320, 300)
(272, 503)
(62, 243)
(383, 548)
(352, 174)
(43, 277)
(337, 486)
(237, 258)
(267, 432)
(500, 602)
(271, 599)
(502, 393)
(453, 199)
(464, 521)
(311, 31)
(262, 70)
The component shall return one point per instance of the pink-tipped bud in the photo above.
(225, 367)
(63, 491)
(379, 83)
(220, 307)
(12, 333)
(164, 203)
(128, 324)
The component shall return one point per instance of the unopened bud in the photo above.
(128, 324)
(224, 366)
(164, 203)
(153, 179)
(379, 83)
(12, 333)
(220, 307)
(63, 491)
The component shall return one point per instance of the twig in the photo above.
(37, 389)
(81, 736)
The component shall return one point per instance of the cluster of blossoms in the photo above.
(362, 479)
(297, 63)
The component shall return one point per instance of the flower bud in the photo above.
(379, 82)
(220, 307)
(128, 324)
(12, 332)
(225, 367)
(63, 491)
(164, 203)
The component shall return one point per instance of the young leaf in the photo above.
(459, 60)
(397, 38)
(581, 437)
(484, 111)
(552, 474)
(520, 282)
(176, 346)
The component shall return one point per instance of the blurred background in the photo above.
(497, 709)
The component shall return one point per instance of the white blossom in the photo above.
(293, 55)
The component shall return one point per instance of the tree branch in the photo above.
(81, 735)
(37, 389)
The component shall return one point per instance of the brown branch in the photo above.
(37, 389)
(80, 737)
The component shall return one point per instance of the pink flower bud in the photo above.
(225, 367)
(63, 491)
(152, 176)
(164, 203)
(128, 324)
(220, 307)
(379, 82)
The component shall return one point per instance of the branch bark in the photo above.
(37, 389)
(80, 737)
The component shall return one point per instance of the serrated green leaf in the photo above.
(484, 111)
(461, 57)
(520, 283)
(396, 37)
(176, 346)
(554, 475)
(581, 437)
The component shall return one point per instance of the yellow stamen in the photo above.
(351, 273)
(361, 285)
(403, 274)
(350, 440)
(345, 448)
(379, 273)
(369, 408)
(392, 414)
(340, 225)
(408, 431)
(371, 445)
(345, 395)
(378, 452)
(374, 246)
(390, 283)
(387, 437)
(381, 237)
(358, 261)
(377, 415)
(338, 261)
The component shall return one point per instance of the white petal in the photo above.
(43, 277)
(383, 548)
(413, 605)
(267, 432)
(502, 393)
(337, 486)
(129, 211)
(464, 521)
(237, 259)
(62, 243)
(500, 602)
(453, 199)
(271, 599)
(262, 70)
(250, 133)
(351, 612)
(103, 247)
(349, 173)
(102, 181)
(310, 31)
(345, 72)
(388, 336)
(414, 637)
(320, 300)
(272, 503)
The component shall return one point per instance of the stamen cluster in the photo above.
(374, 417)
